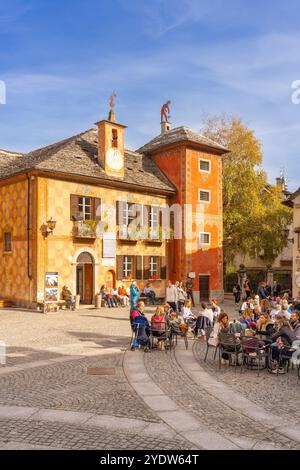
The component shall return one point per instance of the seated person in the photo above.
(246, 318)
(222, 323)
(108, 297)
(248, 304)
(207, 312)
(282, 340)
(141, 327)
(237, 328)
(123, 296)
(187, 313)
(115, 294)
(167, 309)
(149, 292)
(295, 323)
(265, 327)
(276, 309)
(256, 312)
(68, 297)
(158, 326)
(175, 324)
(216, 310)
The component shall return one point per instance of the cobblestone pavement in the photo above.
(47, 362)
(64, 436)
(213, 413)
(277, 394)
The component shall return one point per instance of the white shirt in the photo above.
(187, 313)
(244, 306)
(171, 294)
(208, 313)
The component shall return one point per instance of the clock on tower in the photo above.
(111, 144)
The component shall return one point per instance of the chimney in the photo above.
(165, 127)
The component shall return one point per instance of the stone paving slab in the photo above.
(175, 417)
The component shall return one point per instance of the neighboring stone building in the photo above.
(281, 269)
(55, 201)
(295, 204)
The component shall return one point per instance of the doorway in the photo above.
(204, 288)
(110, 280)
(85, 278)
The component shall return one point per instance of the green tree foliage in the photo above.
(254, 216)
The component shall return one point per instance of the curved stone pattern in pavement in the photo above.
(277, 394)
(212, 412)
(67, 386)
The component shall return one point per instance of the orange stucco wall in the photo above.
(181, 165)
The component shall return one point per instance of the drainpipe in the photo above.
(28, 228)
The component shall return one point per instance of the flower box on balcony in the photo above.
(85, 229)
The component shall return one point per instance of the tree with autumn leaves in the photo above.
(254, 216)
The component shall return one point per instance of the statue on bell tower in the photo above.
(112, 116)
(165, 112)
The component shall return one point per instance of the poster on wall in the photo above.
(51, 287)
(109, 245)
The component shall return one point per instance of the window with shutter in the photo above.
(7, 242)
(74, 207)
(146, 265)
(138, 268)
(96, 209)
(163, 267)
(204, 195)
(204, 165)
(120, 262)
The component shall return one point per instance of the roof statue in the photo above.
(112, 116)
(165, 112)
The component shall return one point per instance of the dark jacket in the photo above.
(287, 335)
(262, 293)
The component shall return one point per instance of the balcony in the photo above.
(85, 229)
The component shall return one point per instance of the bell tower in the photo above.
(111, 143)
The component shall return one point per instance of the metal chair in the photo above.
(230, 346)
(208, 332)
(253, 354)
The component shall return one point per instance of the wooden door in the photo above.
(204, 287)
(88, 284)
(79, 283)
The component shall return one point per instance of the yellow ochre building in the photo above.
(53, 200)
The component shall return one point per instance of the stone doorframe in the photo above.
(95, 267)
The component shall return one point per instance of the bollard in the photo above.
(77, 302)
(98, 301)
(2, 353)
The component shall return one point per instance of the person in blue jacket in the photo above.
(134, 294)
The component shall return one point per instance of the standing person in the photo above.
(181, 295)
(189, 286)
(247, 288)
(237, 293)
(171, 296)
(276, 289)
(134, 294)
(262, 291)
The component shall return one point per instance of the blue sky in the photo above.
(61, 60)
